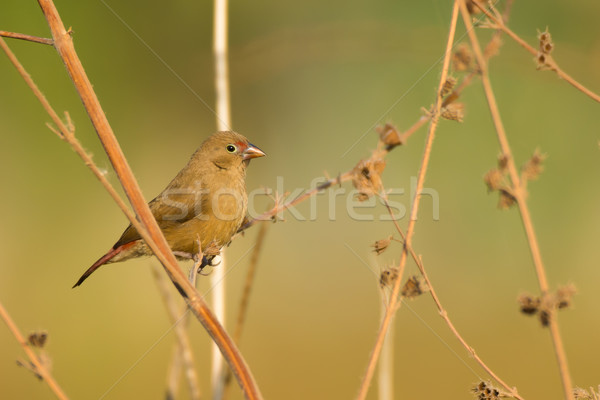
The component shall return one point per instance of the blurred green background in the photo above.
(308, 80)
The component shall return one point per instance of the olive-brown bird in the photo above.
(206, 202)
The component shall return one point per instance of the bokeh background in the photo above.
(308, 79)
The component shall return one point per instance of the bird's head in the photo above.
(229, 149)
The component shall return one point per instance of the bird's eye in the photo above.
(231, 148)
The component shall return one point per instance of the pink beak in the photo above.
(252, 152)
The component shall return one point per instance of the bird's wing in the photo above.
(170, 211)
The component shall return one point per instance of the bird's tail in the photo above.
(103, 260)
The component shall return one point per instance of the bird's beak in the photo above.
(252, 152)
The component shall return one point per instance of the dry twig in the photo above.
(39, 366)
(519, 194)
(444, 313)
(184, 347)
(393, 303)
(548, 60)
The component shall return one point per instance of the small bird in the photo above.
(204, 205)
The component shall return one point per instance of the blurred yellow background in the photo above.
(308, 81)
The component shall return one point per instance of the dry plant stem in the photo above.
(29, 38)
(444, 313)
(223, 116)
(153, 237)
(66, 133)
(245, 299)
(39, 366)
(394, 299)
(550, 60)
(174, 373)
(520, 196)
(183, 340)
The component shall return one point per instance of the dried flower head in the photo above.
(37, 339)
(453, 112)
(493, 47)
(486, 391)
(388, 277)
(381, 245)
(367, 177)
(533, 167)
(542, 61)
(545, 315)
(448, 85)
(582, 394)
(546, 43)
(528, 304)
(472, 8)
(494, 179)
(503, 162)
(414, 286)
(507, 199)
(389, 135)
(564, 296)
(462, 59)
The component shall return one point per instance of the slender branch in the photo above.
(66, 132)
(183, 340)
(550, 62)
(520, 195)
(248, 284)
(40, 368)
(394, 299)
(223, 119)
(153, 237)
(442, 310)
(29, 38)
(245, 299)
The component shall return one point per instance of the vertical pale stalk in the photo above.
(385, 377)
(223, 113)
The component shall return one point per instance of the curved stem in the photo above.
(154, 237)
